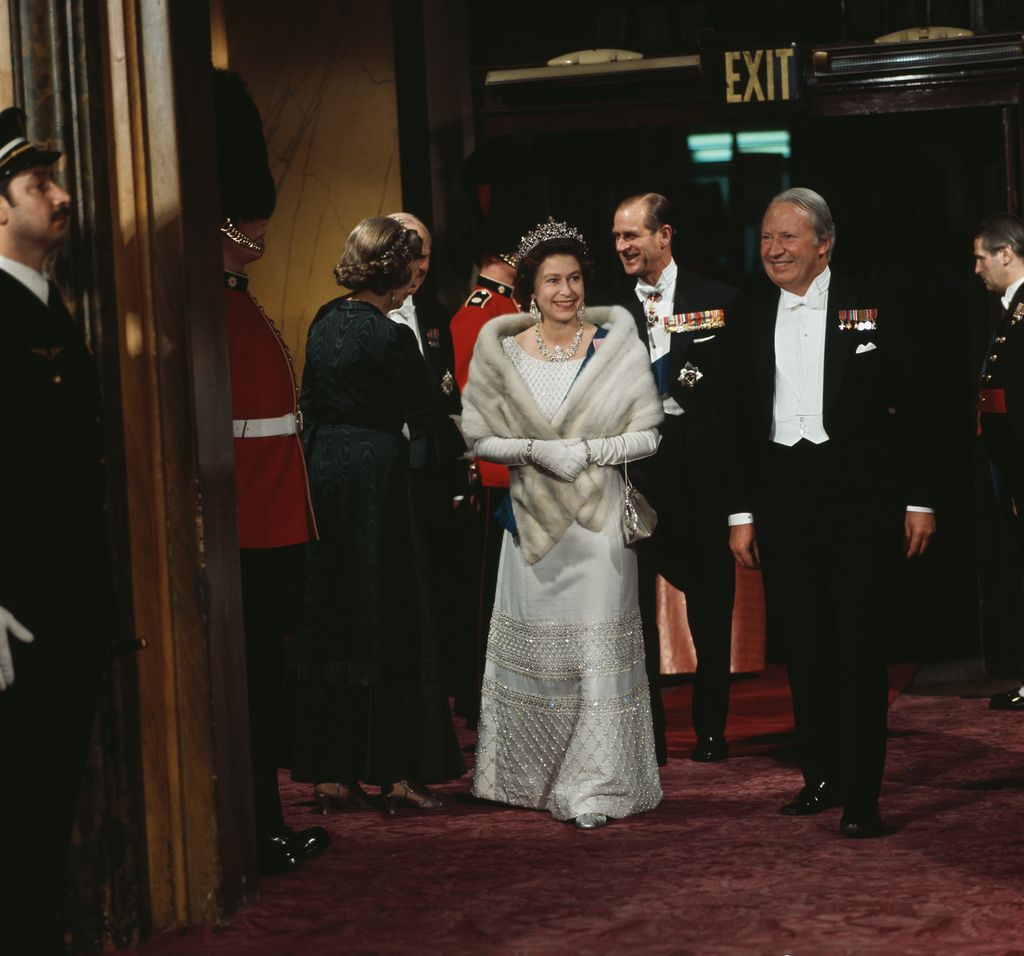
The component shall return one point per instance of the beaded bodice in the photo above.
(548, 382)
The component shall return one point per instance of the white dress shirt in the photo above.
(659, 339)
(36, 282)
(1011, 291)
(405, 314)
(800, 364)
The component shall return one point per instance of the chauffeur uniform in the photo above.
(55, 578)
(684, 322)
(1001, 406)
(275, 518)
(481, 535)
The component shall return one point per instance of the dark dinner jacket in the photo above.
(693, 443)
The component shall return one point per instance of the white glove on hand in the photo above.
(563, 459)
(9, 624)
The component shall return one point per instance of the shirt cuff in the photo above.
(741, 517)
(921, 508)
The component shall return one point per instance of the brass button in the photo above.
(1000, 339)
(57, 380)
(987, 377)
(993, 357)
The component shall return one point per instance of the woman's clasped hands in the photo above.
(564, 459)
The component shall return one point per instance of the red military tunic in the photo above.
(274, 508)
(487, 301)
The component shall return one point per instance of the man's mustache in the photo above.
(62, 212)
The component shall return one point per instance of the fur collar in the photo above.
(613, 394)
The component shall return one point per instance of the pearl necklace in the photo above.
(559, 354)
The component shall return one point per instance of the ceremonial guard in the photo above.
(488, 484)
(275, 517)
(497, 195)
(999, 263)
(683, 319)
(56, 605)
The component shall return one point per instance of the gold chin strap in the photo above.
(229, 229)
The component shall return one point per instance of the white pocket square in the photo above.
(706, 338)
(865, 347)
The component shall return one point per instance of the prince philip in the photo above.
(830, 482)
(683, 319)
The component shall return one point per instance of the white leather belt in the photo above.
(267, 427)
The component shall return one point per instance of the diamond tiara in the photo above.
(545, 231)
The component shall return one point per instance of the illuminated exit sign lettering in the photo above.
(765, 76)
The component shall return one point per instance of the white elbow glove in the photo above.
(564, 459)
(502, 451)
(561, 458)
(10, 625)
(626, 447)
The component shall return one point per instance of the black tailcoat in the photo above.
(54, 577)
(829, 518)
(684, 481)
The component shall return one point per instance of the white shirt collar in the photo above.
(666, 282)
(1010, 292)
(815, 296)
(36, 282)
(405, 314)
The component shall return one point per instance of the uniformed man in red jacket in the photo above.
(275, 517)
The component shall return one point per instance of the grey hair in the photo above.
(1003, 230)
(815, 207)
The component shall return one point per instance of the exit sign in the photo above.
(761, 76)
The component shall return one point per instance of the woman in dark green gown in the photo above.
(371, 704)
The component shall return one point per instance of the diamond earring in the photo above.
(534, 310)
(581, 310)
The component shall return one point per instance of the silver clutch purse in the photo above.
(639, 519)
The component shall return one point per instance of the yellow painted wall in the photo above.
(322, 73)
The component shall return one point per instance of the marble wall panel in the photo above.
(322, 73)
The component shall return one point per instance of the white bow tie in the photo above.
(648, 290)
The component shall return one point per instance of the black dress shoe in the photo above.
(709, 748)
(812, 799)
(305, 844)
(276, 854)
(1007, 700)
(861, 824)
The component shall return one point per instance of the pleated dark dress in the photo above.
(370, 700)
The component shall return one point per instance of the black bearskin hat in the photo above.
(246, 187)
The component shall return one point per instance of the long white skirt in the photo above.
(565, 719)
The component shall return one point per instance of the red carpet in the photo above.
(715, 870)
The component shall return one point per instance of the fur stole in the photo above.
(615, 393)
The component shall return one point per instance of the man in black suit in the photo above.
(999, 263)
(684, 320)
(438, 475)
(832, 466)
(54, 564)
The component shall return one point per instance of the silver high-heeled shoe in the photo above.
(590, 821)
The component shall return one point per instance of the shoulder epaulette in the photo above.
(479, 298)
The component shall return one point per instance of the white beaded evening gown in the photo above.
(565, 719)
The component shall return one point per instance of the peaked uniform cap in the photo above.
(17, 153)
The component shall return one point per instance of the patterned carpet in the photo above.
(714, 871)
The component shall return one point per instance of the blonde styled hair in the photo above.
(378, 256)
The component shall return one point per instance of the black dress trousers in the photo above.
(829, 551)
